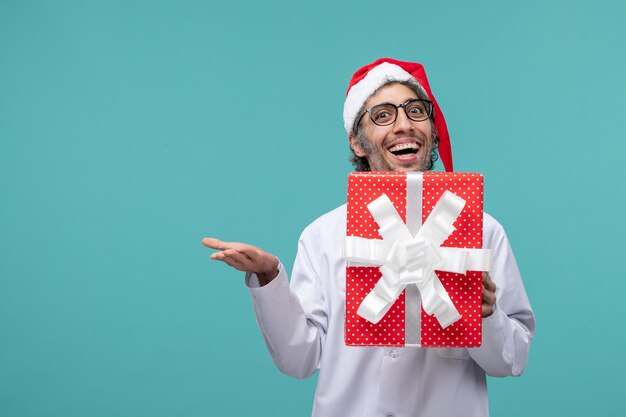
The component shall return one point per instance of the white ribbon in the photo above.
(407, 259)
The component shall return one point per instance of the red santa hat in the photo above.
(372, 76)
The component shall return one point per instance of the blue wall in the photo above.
(130, 130)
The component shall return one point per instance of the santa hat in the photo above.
(371, 77)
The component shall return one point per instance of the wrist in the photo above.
(268, 276)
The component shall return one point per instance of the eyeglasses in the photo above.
(386, 113)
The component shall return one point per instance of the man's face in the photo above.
(404, 145)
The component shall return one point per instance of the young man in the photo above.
(393, 124)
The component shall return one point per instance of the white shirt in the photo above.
(303, 327)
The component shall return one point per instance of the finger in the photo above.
(238, 246)
(242, 258)
(489, 298)
(250, 251)
(232, 258)
(218, 256)
(237, 260)
(488, 283)
(213, 243)
(487, 310)
(234, 263)
(223, 254)
(229, 253)
(257, 257)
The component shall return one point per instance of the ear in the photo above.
(356, 147)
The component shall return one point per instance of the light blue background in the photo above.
(129, 130)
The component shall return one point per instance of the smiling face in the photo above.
(404, 145)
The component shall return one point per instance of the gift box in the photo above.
(414, 259)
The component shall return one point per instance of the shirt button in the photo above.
(393, 354)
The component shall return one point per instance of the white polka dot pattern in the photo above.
(464, 290)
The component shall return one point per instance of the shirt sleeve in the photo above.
(507, 333)
(293, 317)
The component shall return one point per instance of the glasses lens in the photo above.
(418, 110)
(383, 114)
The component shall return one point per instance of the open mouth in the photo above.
(405, 150)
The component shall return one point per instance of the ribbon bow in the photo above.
(407, 259)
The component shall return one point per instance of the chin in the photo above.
(414, 167)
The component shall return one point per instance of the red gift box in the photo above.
(416, 194)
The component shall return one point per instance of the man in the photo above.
(393, 124)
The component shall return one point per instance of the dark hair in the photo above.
(360, 162)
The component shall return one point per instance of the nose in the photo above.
(403, 123)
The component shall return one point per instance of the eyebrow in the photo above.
(388, 102)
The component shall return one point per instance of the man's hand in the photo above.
(244, 257)
(489, 295)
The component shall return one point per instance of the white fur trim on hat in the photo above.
(361, 91)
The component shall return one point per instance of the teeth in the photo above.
(404, 146)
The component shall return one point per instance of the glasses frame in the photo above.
(429, 107)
